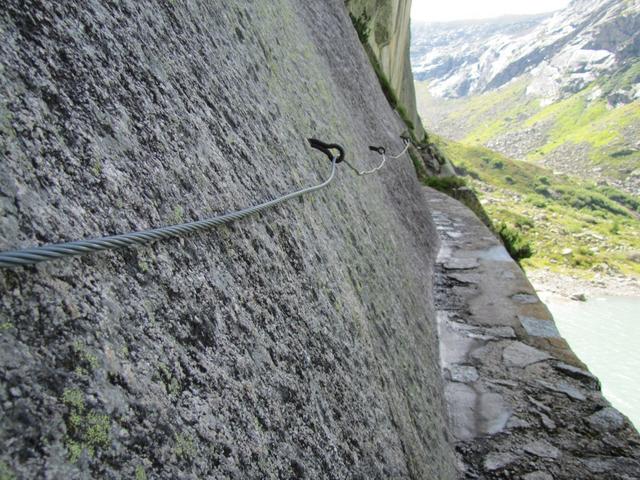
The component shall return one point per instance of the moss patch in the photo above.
(85, 361)
(5, 472)
(4, 326)
(87, 430)
(140, 473)
(185, 446)
(172, 384)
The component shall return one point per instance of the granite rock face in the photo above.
(298, 343)
(390, 39)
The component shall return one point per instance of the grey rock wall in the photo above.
(296, 344)
(390, 41)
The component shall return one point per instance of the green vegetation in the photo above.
(140, 473)
(592, 124)
(86, 430)
(516, 245)
(539, 183)
(177, 216)
(5, 472)
(143, 264)
(361, 24)
(418, 164)
(573, 226)
(585, 123)
(85, 361)
(4, 326)
(404, 115)
(445, 184)
(164, 374)
(96, 168)
(626, 77)
(385, 84)
(457, 188)
(185, 446)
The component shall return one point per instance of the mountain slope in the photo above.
(574, 227)
(562, 90)
(582, 135)
(563, 52)
(450, 55)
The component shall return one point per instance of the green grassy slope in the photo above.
(556, 213)
(605, 136)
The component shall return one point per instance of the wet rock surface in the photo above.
(522, 406)
(299, 343)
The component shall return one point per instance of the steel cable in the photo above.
(384, 159)
(406, 147)
(367, 172)
(31, 256)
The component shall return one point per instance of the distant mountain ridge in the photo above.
(446, 53)
(563, 52)
(561, 89)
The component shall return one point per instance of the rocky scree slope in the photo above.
(299, 343)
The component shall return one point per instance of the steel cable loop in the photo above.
(367, 172)
(384, 159)
(32, 256)
(406, 147)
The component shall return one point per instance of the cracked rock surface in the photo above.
(522, 406)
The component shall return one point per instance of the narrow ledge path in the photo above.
(521, 404)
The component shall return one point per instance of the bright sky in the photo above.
(447, 10)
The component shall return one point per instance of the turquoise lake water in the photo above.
(605, 334)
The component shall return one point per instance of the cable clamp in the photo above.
(326, 149)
